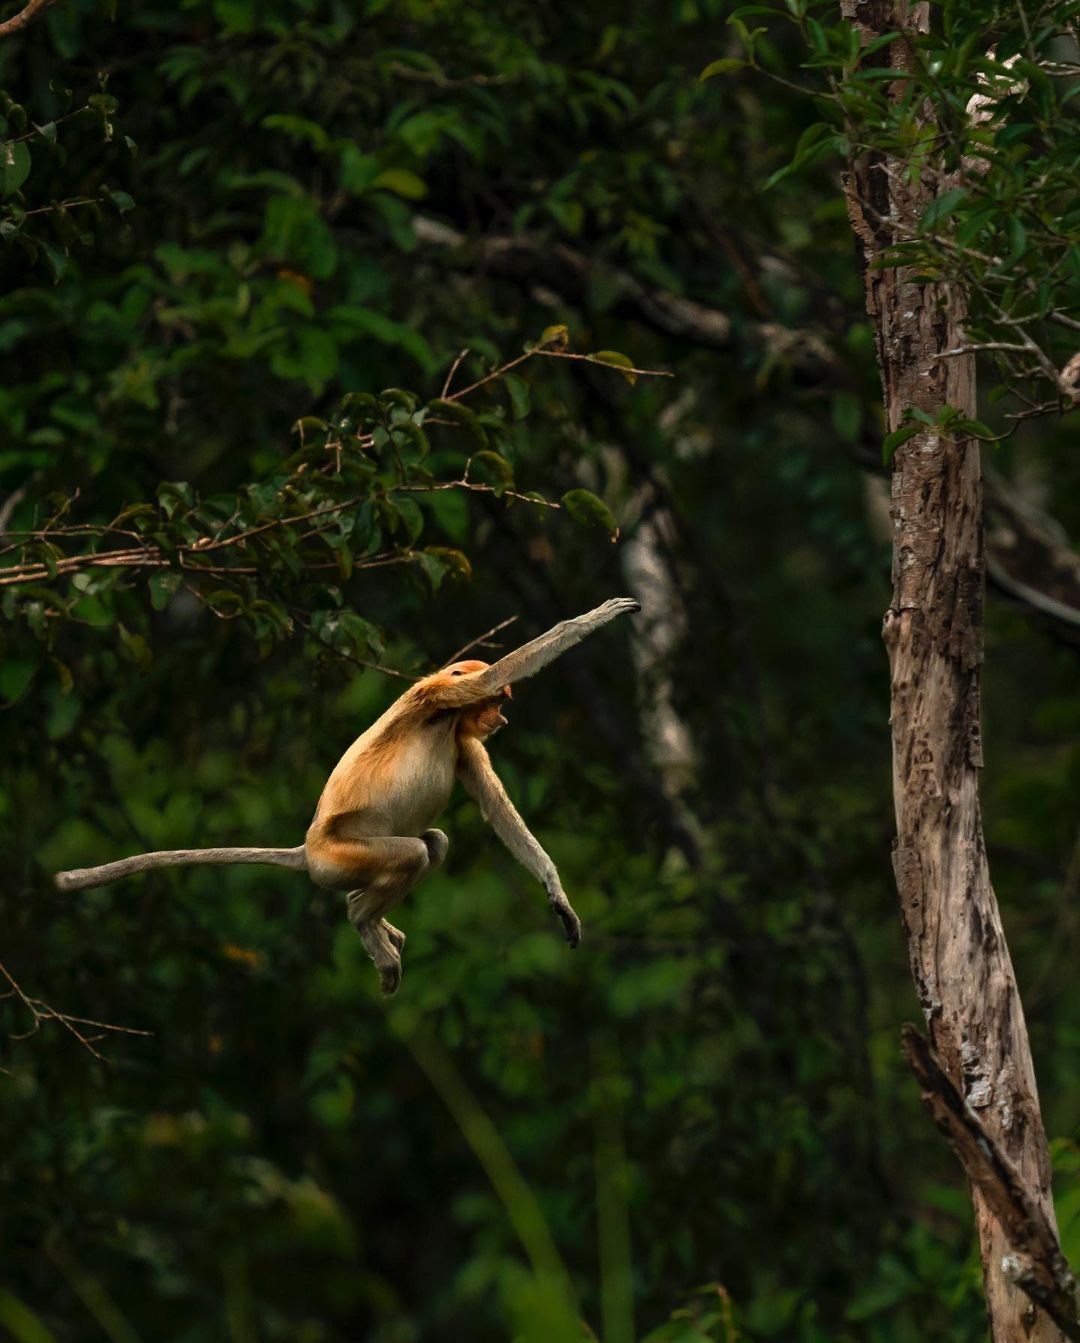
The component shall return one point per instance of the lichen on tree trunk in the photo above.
(934, 635)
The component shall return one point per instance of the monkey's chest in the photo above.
(421, 786)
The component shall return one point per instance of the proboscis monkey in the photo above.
(371, 835)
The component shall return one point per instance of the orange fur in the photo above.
(372, 832)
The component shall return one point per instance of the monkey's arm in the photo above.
(481, 782)
(529, 658)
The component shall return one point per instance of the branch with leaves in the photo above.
(278, 553)
(1000, 227)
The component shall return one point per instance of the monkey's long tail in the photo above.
(81, 878)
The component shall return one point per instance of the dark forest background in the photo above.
(234, 214)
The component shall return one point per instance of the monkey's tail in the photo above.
(83, 877)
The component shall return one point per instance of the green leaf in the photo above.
(976, 428)
(394, 396)
(120, 199)
(410, 514)
(494, 470)
(14, 166)
(943, 206)
(584, 507)
(895, 439)
(456, 561)
(21, 1322)
(361, 404)
(414, 435)
(616, 360)
(401, 182)
(163, 587)
(298, 129)
(461, 415)
(520, 398)
(555, 337)
(726, 66)
(309, 426)
(15, 677)
(57, 260)
(174, 495)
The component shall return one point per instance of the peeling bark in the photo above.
(933, 631)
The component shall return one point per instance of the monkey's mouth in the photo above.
(494, 718)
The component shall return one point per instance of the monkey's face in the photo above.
(484, 720)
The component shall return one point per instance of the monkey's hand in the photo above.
(570, 921)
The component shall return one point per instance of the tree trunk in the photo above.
(934, 634)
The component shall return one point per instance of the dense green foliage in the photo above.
(695, 1126)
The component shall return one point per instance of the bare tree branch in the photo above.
(24, 18)
(1035, 1262)
(481, 640)
(41, 1012)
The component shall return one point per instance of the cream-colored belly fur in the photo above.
(412, 782)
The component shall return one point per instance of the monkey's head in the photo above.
(481, 720)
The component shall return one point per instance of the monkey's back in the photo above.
(395, 779)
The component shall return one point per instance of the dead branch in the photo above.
(41, 1012)
(481, 640)
(1036, 1262)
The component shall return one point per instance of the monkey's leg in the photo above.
(382, 870)
(374, 933)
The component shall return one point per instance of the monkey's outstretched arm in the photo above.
(481, 782)
(81, 878)
(531, 657)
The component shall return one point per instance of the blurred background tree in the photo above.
(223, 226)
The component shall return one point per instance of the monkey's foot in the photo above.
(437, 845)
(396, 936)
(389, 978)
(570, 921)
(384, 953)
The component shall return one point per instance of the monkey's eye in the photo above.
(455, 673)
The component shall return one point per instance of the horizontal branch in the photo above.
(1025, 561)
(1035, 1263)
(571, 273)
(24, 18)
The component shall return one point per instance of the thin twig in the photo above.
(490, 377)
(603, 363)
(40, 1012)
(450, 376)
(478, 488)
(479, 641)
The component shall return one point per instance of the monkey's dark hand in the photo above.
(570, 921)
(614, 606)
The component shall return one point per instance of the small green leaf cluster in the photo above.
(980, 109)
(42, 229)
